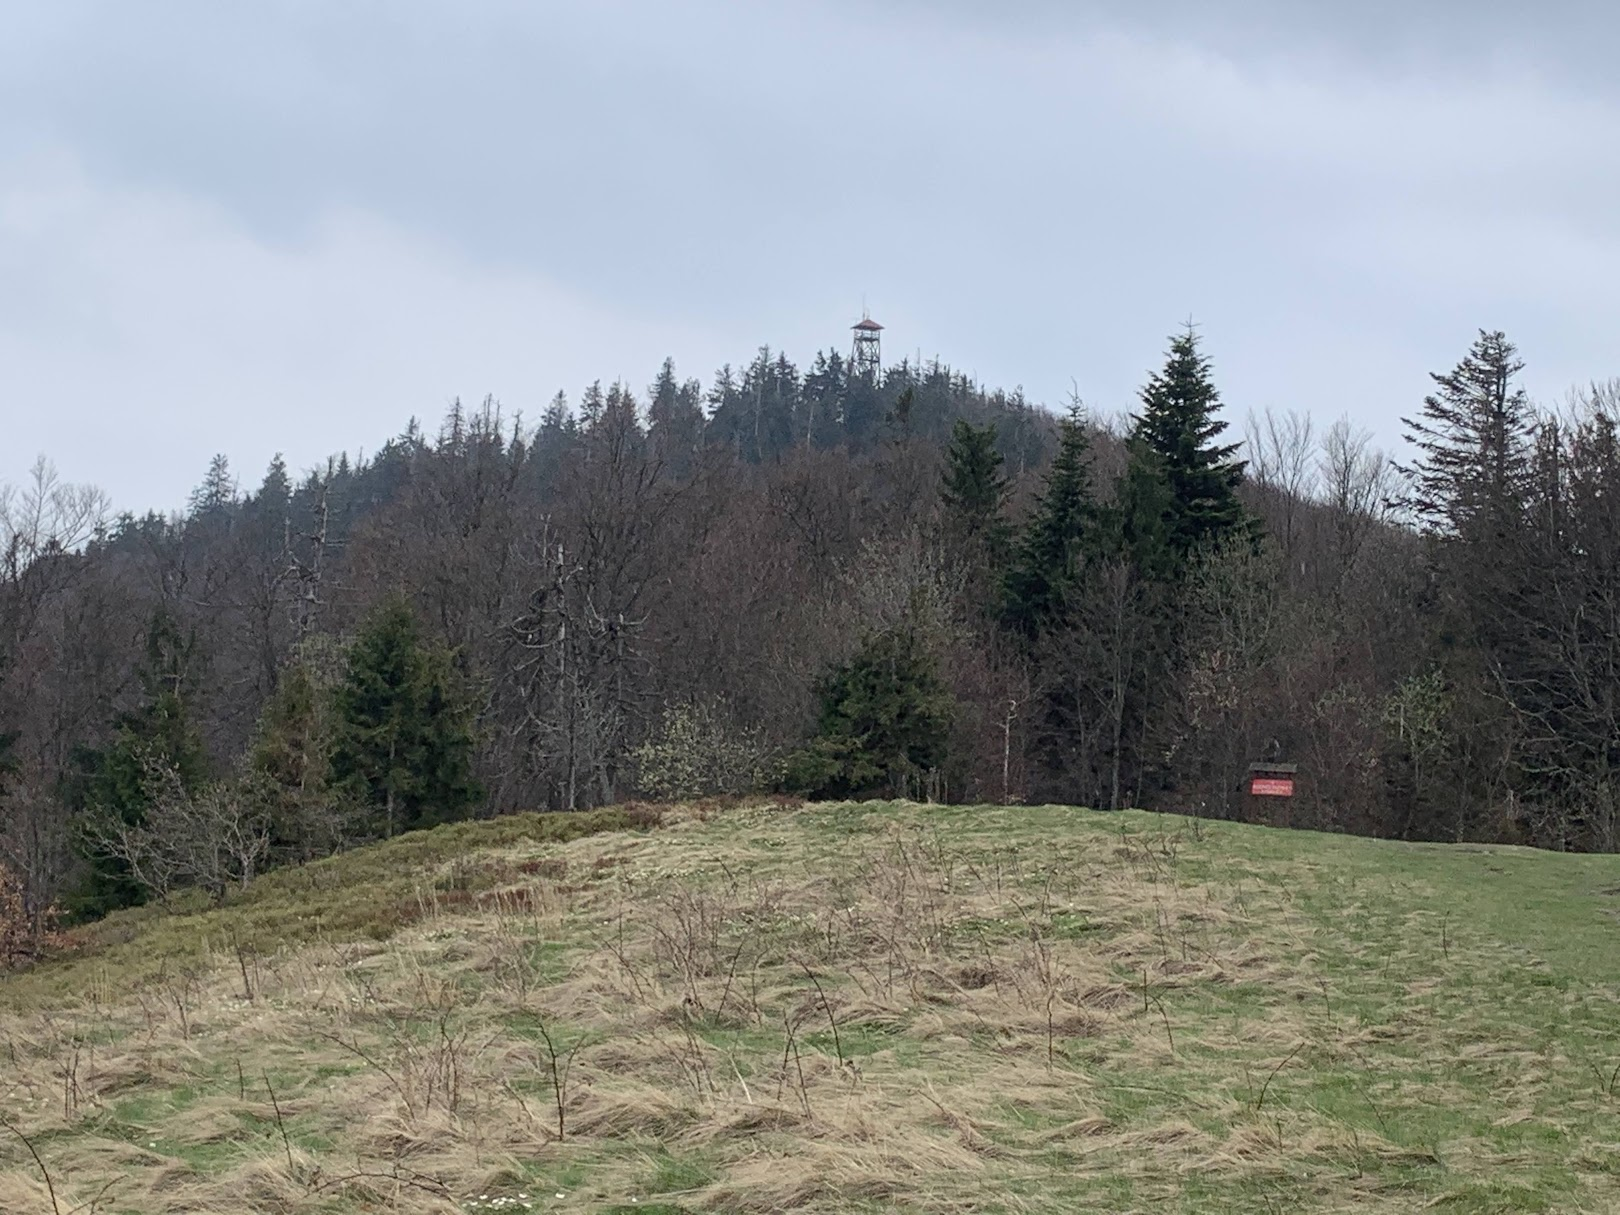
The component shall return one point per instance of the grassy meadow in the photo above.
(836, 1008)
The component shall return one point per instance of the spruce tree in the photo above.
(218, 490)
(823, 401)
(1136, 527)
(289, 761)
(1470, 489)
(1050, 551)
(973, 495)
(557, 420)
(674, 417)
(1475, 443)
(275, 491)
(403, 745)
(1178, 428)
(974, 488)
(884, 724)
(158, 734)
(592, 406)
(554, 442)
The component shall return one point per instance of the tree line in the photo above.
(813, 581)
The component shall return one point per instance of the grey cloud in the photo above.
(1034, 191)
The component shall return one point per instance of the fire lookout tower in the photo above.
(866, 358)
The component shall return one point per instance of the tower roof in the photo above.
(868, 324)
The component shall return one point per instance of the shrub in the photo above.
(697, 751)
(211, 840)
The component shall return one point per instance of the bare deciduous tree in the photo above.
(1357, 484)
(212, 840)
(1279, 449)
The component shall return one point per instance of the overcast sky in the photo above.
(290, 225)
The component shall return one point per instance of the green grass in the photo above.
(367, 894)
(1013, 1009)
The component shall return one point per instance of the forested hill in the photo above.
(767, 413)
(830, 584)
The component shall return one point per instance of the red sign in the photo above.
(1272, 786)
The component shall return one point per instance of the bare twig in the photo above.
(418, 1181)
(832, 1021)
(1261, 1099)
(241, 961)
(561, 1063)
(731, 976)
(95, 1202)
(281, 1125)
(1163, 1015)
(354, 1049)
(50, 1186)
(790, 1049)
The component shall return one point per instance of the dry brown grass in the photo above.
(750, 1012)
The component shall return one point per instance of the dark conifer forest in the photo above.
(818, 583)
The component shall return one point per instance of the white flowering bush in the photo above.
(696, 750)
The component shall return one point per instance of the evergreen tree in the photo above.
(1475, 443)
(453, 430)
(1136, 528)
(973, 493)
(1090, 590)
(592, 406)
(724, 401)
(900, 421)
(1487, 600)
(1050, 551)
(1138, 617)
(662, 394)
(823, 401)
(1178, 427)
(619, 413)
(403, 744)
(275, 492)
(1472, 487)
(157, 735)
(289, 761)
(558, 419)
(769, 397)
(674, 418)
(974, 488)
(884, 724)
(862, 409)
(554, 442)
(218, 490)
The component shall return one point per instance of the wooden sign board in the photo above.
(1271, 786)
(1272, 780)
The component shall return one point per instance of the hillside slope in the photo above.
(838, 1008)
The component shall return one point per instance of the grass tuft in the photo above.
(882, 1007)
